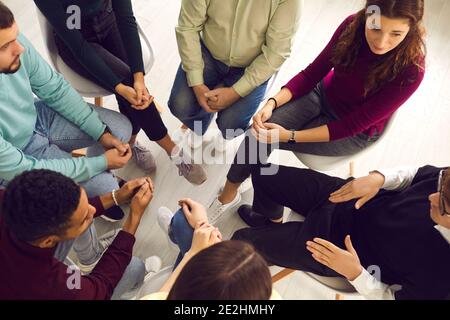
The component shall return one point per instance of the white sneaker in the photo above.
(164, 218)
(217, 209)
(194, 141)
(223, 145)
(152, 265)
(179, 135)
(104, 242)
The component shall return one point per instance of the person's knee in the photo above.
(179, 224)
(100, 184)
(181, 103)
(136, 269)
(118, 123)
(241, 234)
(231, 128)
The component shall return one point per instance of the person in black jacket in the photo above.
(392, 223)
(106, 49)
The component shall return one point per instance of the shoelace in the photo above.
(216, 214)
(184, 167)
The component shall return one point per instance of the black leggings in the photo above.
(109, 45)
(306, 192)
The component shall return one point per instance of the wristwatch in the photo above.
(292, 139)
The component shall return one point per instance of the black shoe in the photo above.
(252, 218)
(113, 214)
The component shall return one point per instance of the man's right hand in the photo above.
(363, 189)
(115, 160)
(199, 92)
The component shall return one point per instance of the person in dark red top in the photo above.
(340, 103)
(42, 208)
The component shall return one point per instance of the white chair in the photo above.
(84, 86)
(339, 285)
(324, 163)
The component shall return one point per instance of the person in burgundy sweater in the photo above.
(42, 208)
(340, 103)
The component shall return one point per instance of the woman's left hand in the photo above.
(344, 262)
(273, 133)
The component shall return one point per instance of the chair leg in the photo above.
(282, 274)
(351, 168)
(99, 101)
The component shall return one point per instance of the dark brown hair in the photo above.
(6, 17)
(410, 52)
(228, 270)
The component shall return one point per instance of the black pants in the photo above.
(103, 34)
(306, 192)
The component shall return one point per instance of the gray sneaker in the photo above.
(193, 173)
(143, 158)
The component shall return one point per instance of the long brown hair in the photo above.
(228, 270)
(410, 52)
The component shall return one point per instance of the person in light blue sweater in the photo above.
(40, 133)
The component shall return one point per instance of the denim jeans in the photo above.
(183, 103)
(181, 233)
(54, 138)
(131, 281)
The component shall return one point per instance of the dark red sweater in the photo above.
(29, 272)
(345, 90)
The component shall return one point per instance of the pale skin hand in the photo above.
(364, 189)
(143, 97)
(205, 235)
(263, 115)
(131, 96)
(344, 262)
(115, 160)
(200, 92)
(272, 133)
(108, 141)
(194, 212)
(221, 98)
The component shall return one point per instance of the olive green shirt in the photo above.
(252, 34)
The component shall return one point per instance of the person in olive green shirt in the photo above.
(235, 44)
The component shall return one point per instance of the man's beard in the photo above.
(12, 69)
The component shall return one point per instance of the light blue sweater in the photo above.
(18, 118)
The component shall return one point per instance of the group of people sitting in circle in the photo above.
(395, 219)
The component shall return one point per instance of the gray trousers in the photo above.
(308, 112)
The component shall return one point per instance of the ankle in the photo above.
(226, 198)
(280, 220)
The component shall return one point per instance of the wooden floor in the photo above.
(420, 135)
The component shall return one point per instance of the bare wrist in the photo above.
(119, 88)
(355, 274)
(138, 76)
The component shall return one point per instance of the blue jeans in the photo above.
(54, 138)
(181, 233)
(132, 279)
(183, 103)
